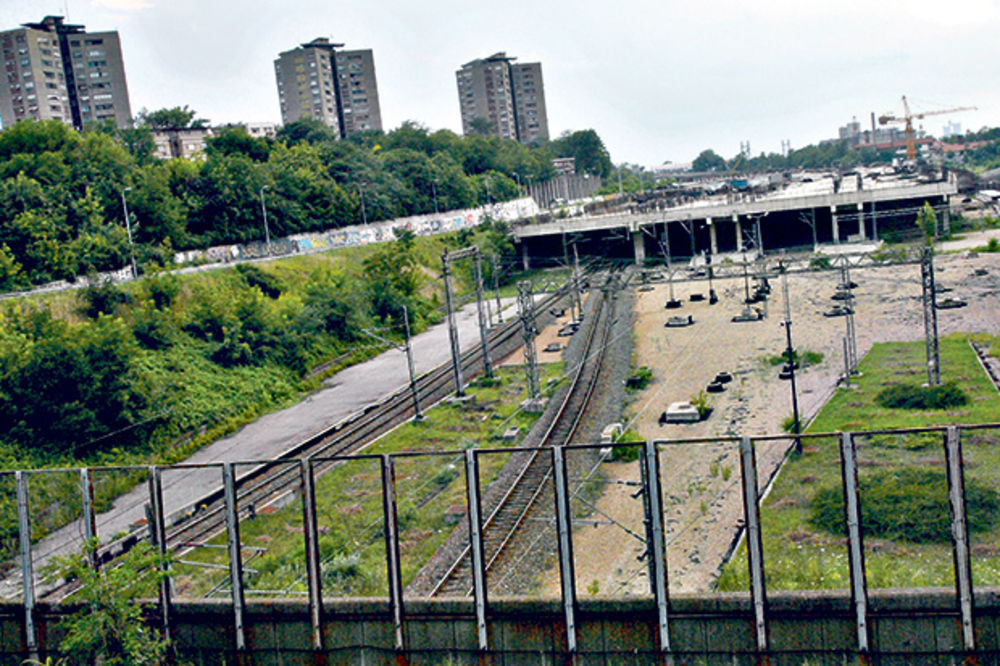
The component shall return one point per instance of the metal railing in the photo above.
(568, 490)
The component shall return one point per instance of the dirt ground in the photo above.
(701, 481)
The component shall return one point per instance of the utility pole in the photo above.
(790, 353)
(483, 326)
(456, 361)
(930, 318)
(526, 310)
(576, 282)
(263, 210)
(665, 248)
(496, 287)
(128, 228)
(852, 337)
(417, 415)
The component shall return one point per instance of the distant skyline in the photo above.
(658, 81)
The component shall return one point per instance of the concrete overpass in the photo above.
(807, 213)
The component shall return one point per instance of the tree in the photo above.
(109, 628)
(480, 126)
(927, 222)
(708, 160)
(587, 149)
(173, 118)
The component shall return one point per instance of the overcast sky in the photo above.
(658, 80)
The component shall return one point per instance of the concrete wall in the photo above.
(913, 626)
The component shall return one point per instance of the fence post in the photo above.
(476, 547)
(235, 554)
(565, 528)
(657, 550)
(856, 551)
(755, 551)
(309, 532)
(88, 518)
(158, 531)
(27, 571)
(392, 549)
(960, 536)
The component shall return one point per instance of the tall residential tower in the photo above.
(337, 88)
(503, 98)
(61, 72)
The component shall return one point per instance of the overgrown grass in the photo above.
(430, 495)
(798, 555)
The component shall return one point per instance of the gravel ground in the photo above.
(701, 492)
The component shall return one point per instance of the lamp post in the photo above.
(128, 229)
(263, 210)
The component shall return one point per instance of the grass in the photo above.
(798, 555)
(430, 492)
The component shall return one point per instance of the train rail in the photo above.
(520, 501)
(203, 519)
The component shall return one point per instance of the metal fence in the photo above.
(357, 524)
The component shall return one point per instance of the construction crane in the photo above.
(907, 119)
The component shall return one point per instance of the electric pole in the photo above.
(456, 360)
(496, 287)
(790, 353)
(483, 333)
(526, 310)
(930, 318)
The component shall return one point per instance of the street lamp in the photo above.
(128, 229)
(263, 210)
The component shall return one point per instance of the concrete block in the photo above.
(260, 636)
(293, 635)
(688, 635)
(339, 634)
(730, 635)
(630, 636)
(526, 636)
(423, 634)
(899, 635)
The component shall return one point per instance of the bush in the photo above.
(639, 379)
(163, 289)
(905, 504)
(153, 330)
(269, 285)
(101, 298)
(909, 396)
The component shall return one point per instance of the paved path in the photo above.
(269, 436)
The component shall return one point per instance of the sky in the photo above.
(659, 80)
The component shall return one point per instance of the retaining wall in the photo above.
(907, 627)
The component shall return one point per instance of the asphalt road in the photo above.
(268, 437)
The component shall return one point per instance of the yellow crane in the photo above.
(907, 120)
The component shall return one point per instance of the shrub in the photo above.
(269, 285)
(163, 289)
(820, 263)
(101, 298)
(639, 379)
(909, 396)
(906, 504)
(153, 330)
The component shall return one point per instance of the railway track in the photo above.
(186, 527)
(520, 502)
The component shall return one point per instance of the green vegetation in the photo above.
(109, 627)
(639, 379)
(805, 359)
(903, 495)
(62, 191)
(430, 492)
(908, 396)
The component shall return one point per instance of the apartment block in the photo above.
(338, 88)
(503, 98)
(58, 71)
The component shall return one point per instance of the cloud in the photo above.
(124, 5)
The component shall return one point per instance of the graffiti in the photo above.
(420, 225)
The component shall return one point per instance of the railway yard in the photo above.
(623, 328)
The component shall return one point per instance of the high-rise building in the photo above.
(335, 87)
(59, 71)
(503, 98)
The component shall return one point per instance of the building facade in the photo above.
(503, 99)
(337, 88)
(57, 71)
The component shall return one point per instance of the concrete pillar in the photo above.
(639, 245)
(525, 259)
(834, 224)
(947, 216)
(861, 221)
(712, 236)
(739, 232)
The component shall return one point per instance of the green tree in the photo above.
(173, 118)
(708, 160)
(927, 222)
(110, 628)
(586, 147)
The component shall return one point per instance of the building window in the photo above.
(93, 42)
